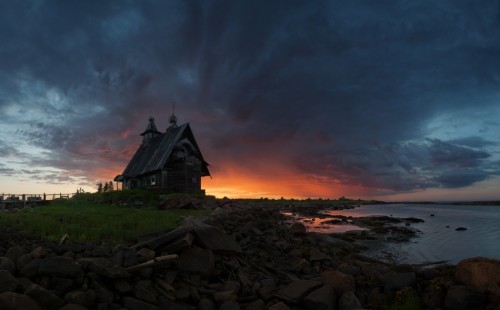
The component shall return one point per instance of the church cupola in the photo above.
(150, 131)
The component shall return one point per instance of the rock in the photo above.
(225, 296)
(23, 260)
(7, 264)
(44, 297)
(14, 301)
(103, 266)
(179, 244)
(165, 239)
(323, 298)
(316, 255)
(229, 305)
(214, 239)
(294, 291)
(480, 272)
(333, 242)
(349, 301)
(205, 304)
(39, 252)
(297, 229)
(82, 297)
(13, 253)
(30, 270)
(136, 304)
(59, 266)
(197, 260)
(146, 254)
(73, 307)
(62, 285)
(102, 293)
(393, 280)
(142, 291)
(7, 282)
(460, 228)
(259, 304)
(122, 286)
(339, 281)
(279, 306)
(461, 297)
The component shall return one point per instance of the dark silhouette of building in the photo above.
(169, 161)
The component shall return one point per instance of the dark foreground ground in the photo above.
(242, 256)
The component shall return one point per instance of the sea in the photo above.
(437, 239)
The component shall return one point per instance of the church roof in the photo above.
(156, 153)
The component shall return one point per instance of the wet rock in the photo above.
(60, 267)
(460, 228)
(44, 297)
(461, 297)
(7, 282)
(7, 264)
(197, 260)
(323, 298)
(339, 281)
(480, 272)
(349, 301)
(14, 301)
(297, 229)
(294, 291)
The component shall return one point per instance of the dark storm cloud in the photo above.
(333, 89)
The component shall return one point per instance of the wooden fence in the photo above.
(23, 200)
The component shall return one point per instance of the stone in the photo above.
(146, 254)
(214, 239)
(460, 228)
(13, 301)
(23, 260)
(294, 291)
(279, 306)
(142, 291)
(136, 304)
(339, 281)
(258, 304)
(394, 280)
(44, 297)
(480, 272)
(125, 257)
(104, 267)
(461, 297)
(225, 296)
(30, 270)
(62, 285)
(197, 260)
(349, 301)
(162, 240)
(229, 305)
(205, 304)
(73, 307)
(297, 229)
(333, 242)
(122, 286)
(13, 253)
(316, 255)
(7, 264)
(59, 266)
(182, 293)
(39, 252)
(82, 297)
(323, 298)
(102, 293)
(7, 282)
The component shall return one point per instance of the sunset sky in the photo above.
(392, 100)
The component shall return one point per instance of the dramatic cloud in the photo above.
(303, 98)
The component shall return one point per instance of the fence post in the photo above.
(24, 201)
(3, 201)
(44, 197)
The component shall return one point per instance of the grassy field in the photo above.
(86, 220)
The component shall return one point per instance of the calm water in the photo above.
(439, 240)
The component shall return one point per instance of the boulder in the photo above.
(30, 270)
(59, 266)
(315, 255)
(13, 253)
(297, 229)
(461, 297)
(14, 301)
(394, 280)
(323, 298)
(44, 297)
(7, 264)
(136, 304)
(480, 272)
(7, 282)
(349, 301)
(279, 306)
(214, 239)
(82, 297)
(197, 260)
(104, 267)
(339, 281)
(294, 291)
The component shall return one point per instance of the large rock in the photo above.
(59, 266)
(294, 291)
(7, 282)
(214, 239)
(197, 260)
(323, 298)
(394, 280)
(81, 297)
(103, 266)
(297, 229)
(15, 301)
(30, 270)
(13, 253)
(480, 272)
(339, 281)
(136, 304)
(349, 301)
(7, 264)
(461, 297)
(44, 297)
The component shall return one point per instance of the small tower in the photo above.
(172, 119)
(150, 131)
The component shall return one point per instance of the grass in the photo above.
(85, 220)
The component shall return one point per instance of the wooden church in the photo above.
(169, 161)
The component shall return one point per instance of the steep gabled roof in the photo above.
(154, 155)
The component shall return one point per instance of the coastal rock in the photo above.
(393, 280)
(59, 266)
(297, 229)
(349, 301)
(7, 264)
(44, 297)
(461, 297)
(82, 297)
(279, 306)
(339, 281)
(136, 304)
(460, 228)
(103, 266)
(297, 289)
(13, 253)
(12, 301)
(480, 272)
(197, 260)
(214, 239)
(7, 281)
(323, 298)
(30, 270)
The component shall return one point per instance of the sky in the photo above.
(390, 100)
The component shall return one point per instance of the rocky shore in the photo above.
(240, 257)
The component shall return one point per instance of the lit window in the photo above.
(153, 180)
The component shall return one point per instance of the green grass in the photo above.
(85, 220)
